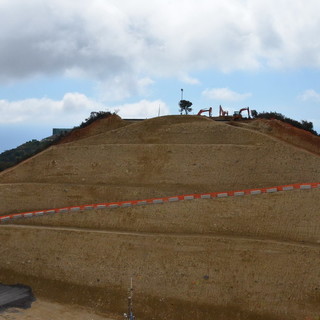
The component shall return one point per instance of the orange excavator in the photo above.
(222, 113)
(238, 114)
(205, 110)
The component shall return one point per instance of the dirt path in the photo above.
(224, 235)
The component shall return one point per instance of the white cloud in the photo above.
(142, 109)
(71, 110)
(109, 41)
(225, 94)
(310, 94)
(123, 86)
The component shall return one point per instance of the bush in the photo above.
(95, 115)
(305, 125)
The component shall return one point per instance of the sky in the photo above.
(62, 59)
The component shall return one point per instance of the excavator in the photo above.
(238, 114)
(222, 113)
(205, 110)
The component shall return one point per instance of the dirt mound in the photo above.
(158, 157)
(251, 257)
(176, 130)
(288, 133)
(101, 125)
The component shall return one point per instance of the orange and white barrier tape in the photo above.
(124, 204)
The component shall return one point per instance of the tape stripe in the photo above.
(63, 210)
(253, 192)
(28, 215)
(127, 204)
(301, 186)
(272, 190)
(222, 195)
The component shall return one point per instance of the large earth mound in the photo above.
(153, 158)
(251, 257)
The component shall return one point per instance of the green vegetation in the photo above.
(95, 115)
(185, 106)
(305, 125)
(14, 156)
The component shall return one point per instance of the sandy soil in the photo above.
(148, 159)
(42, 309)
(252, 257)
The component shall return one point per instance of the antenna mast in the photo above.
(130, 315)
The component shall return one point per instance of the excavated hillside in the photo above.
(251, 257)
(153, 158)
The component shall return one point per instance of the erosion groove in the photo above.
(244, 256)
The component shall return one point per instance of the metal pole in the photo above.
(181, 94)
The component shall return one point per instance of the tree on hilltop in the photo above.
(185, 106)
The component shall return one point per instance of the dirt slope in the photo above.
(285, 132)
(236, 258)
(101, 125)
(252, 257)
(153, 158)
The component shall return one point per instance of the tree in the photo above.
(254, 113)
(185, 106)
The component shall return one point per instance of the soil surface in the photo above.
(251, 257)
(42, 309)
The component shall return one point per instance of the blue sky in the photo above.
(62, 59)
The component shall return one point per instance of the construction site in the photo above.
(210, 219)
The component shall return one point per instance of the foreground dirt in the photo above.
(42, 309)
(251, 257)
(234, 258)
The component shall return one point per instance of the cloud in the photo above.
(110, 41)
(71, 110)
(142, 109)
(122, 87)
(310, 95)
(225, 94)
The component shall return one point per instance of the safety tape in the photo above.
(124, 204)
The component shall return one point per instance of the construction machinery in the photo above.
(222, 113)
(205, 110)
(238, 114)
